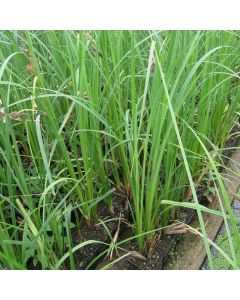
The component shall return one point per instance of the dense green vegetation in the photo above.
(84, 115)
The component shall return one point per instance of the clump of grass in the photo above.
(84, 113)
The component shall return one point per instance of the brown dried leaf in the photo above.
(30, 69)
(178, 229)
(210, 198)
(188, 194)
(115, 238)
(152, 244)
(18, 116)
(137, 255)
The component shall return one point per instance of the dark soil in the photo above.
(85, 255)
(163, 245)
